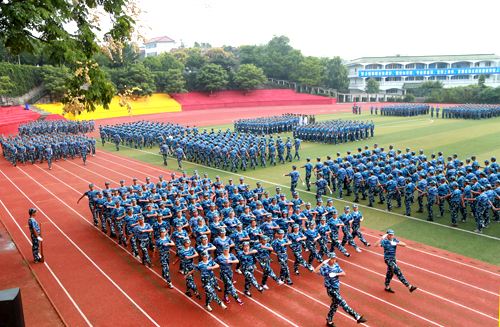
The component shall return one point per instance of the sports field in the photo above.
(92, 280)
(450, 136)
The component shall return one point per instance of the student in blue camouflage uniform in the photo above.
(225, 260)
(142, 231)
(279, 245)
(246, 257)
(308, 168)
(263, 257)
(389, 243)
(296, 238)
(206, 266)
(331, 271)
(36, 235)
(357, 218)
(187, 254)
(91, 194)
(162, 246)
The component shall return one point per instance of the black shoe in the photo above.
(297, 272)
(412, 288)
(330, 323)
(198, 296)
(188, 294)
(247, 293)
(360, 320)
(389, 290)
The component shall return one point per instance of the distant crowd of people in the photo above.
(274, 124)
(57, 126)
(471, 111)
(335, 131)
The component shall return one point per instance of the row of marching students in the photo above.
(213, 228)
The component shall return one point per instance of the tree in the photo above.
(68, 31)
(221, 57)
(249, 76)
(6, 86)
(372, 86)
(335, 75)
(54, 80)
(174, 81)
(309, 72)
(252, 54)
(212, 77)
(135, 76)
(280, 60)
(481, 81)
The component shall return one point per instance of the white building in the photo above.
(158, 45)
(397, 73)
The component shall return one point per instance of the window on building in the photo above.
(420, 66)
(151, 45)
(441, 78)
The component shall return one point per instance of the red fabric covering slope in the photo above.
(11, 117)
(257, 98)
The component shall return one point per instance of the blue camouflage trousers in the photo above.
(165, 265)
(210, 294)
(190, 284)
(267, 271)
(454, 208)
(313, 252)
(35, 248)
(284, 270)
(299, 260)
(227, 280)
(408, 203)
(356, 232)
(144, 244)
(392, 268)
(336, 244)
(337, 300)
(248, 272)
(347, 238)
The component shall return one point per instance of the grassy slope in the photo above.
(465, 138)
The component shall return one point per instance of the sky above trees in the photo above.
(345, 28)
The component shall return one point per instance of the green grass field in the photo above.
(464, 137)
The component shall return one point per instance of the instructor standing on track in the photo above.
(36, 236)
(389, 243)
(331, 272)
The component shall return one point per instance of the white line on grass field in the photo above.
(58, 281)
(341, 200)
(77, 247)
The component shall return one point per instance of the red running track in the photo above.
(100, 283)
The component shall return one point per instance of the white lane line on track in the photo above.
(412, 248)
(336, 199)
(407, 311)
(77, 247)
(58, 281)
(112, 181)
(258, 303)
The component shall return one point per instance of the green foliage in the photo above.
(310, 71)
(280, 60)
(134, 76)
(249, 77)
(6, 85)
(221, 57)
(409, 98)
(174, 81)
(212, 77)
(68, 31)
(54, 79)
(335, 74)
(23, 77)
(372, 86)
(481, 81)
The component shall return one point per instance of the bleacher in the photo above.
(11, 117)
(257, 98)
(157, 103)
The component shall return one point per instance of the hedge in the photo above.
(24, 77)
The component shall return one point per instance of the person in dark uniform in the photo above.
(390, 243)
(331, 271)
(36, 236)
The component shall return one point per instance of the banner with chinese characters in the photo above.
(427, 72)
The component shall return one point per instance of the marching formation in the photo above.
(210, 226)
(273, 124)
(472, 111)
(405, 110)
(335, 131)
(57, 126)
(397, 176)
(222, 149)
(40, 147)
